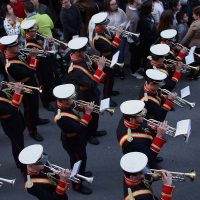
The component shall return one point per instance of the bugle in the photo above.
(179, 101)
(154, 124)
(12, 181)
(58, 42)
(56, 170)
(26, 88)
(176, 176)
(125, 33)
(96, 109)
(41, 53)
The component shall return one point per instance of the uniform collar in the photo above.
(130, 125)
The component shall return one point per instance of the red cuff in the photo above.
(16, 100)
(85, 119)
(116, 42)
(167, 105)
(167, 192)
(180, 56)
(33, 63)
(98, 76)
(61, 188)
(157, 144)
(176, 76)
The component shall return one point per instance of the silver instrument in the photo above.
(179, 101)
(12, 181)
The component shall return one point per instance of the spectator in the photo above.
(182, 28)
(70, 18)
(17, 6)
(40, 7)
(11, 23)
(158, 8)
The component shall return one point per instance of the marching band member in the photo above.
(107, 44)
(133, 135)
(158, 53)
(24, 71)
(156, 104)
(136, 187)
(12, 120)
(73, 129)
(38, 183)
(86, 80)
(44, 69)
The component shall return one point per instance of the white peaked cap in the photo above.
(28, 24)
(8, 39)
(77, 43)
(160, 49)
(133, 162)
(156, 74)
(132, 107)
(168, 33)
(64, 91)
(99, 17)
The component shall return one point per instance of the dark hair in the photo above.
(179, 16)
(107, 5)
(166, 20)
(146, 8)
(4, 9)
(173, 3)
(29, 7)
(196, 10)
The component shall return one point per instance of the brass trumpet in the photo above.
(125, 33)
(12, 181)
(58, 42)
(154, 124)
(56, 170)
(41, 53)
(176, 176)
(26, 88)
(179, 101)
(96, 110)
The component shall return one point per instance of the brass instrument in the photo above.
(96, 109)
(176, 176)
(154, 124)
(125, 33)
(185, 66)
(58, 42)
(56, 170)
(41, 53)
(26, 88)
(180, 45)
(179, 101)
(12, 181)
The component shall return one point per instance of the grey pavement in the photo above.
(104, 159)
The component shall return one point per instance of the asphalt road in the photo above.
(104, 159)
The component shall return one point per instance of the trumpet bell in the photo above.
(111, 111)
(192, 175)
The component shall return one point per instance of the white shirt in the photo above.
(157, 11)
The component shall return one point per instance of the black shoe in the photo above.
(36, 136)
(50, 108)
(93, 141)
(42, 121)
(121, 75)
(159, 159)
(84, 190)
(100, 133)
(112, 103)
(115, 93)
(87, 174)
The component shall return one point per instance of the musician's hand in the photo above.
(89, 108)
(18, 87)
(50, 39)
(101, 63)
(161, 129)
(33, 52)
(166, 177)
(119, 31)
(172, 96)
(179, 66)
(64, 175)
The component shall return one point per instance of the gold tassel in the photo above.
(130, 194)
(129, 138)
(29, 182)
(145, 96)
(59, 113)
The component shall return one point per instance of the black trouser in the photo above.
(195, 73)
(31, 111)
(76, 148)
(108, 82)
(14, 127)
